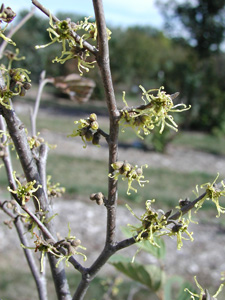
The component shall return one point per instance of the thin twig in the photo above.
(42, 83)
(102, 58)
(76, 37)
(6, 157)
(40, 280)
(44, 10)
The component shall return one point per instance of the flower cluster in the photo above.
(25, 191)
(69, 243)
(178, 229)
(204, 294)
(98, 197)
(54, 190)
(35, 141)
(65, 32)
(156, 223)
(87, 130)
(213, 192)
(6, 15)
(128, 172)
(17, 83)
(155, 112)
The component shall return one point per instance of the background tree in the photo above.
(203, 23)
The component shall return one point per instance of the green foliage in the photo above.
(203, 19)
(149, 275)
(178, 284)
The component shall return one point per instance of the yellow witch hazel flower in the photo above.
(156, 223)
(204, 294)
(25, 191)
(128, 172)
(87, 129)
(152, 222)
(17, 83)
(155, 112)
(178, 229)
(64, 32)
(213, 192)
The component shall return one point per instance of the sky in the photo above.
(117, 12)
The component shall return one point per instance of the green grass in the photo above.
(201, 141)
(83, 176)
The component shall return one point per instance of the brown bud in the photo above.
(75, 243)
(94, 125)
(27, 85)
(22, 92)
(7, 14)
(96, 138)
(98, 197)
(100, 201)
(88, 135)
(117, 165)
(92, 196)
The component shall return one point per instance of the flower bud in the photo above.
(117, 165)
(139, 172)
(98, 197)
(93, 117)
(76, 243)
(96, 138)
(94, 125)
(127, 167)
(27, 85)
(88, 135)
(92, 196)
(7, 14)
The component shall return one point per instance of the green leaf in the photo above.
(159, 253)
(149, 275)
(169, 285)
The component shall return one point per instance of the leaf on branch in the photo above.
(149, 275)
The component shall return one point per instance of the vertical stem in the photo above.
(102, 58)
